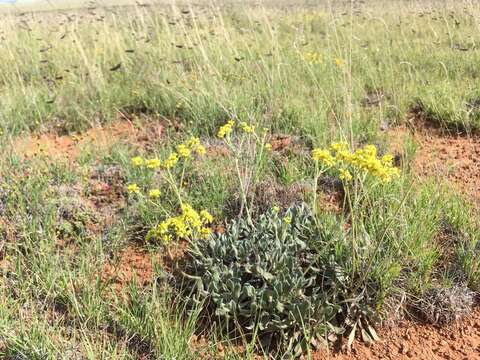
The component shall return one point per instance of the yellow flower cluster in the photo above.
(171, 161)
(312, 58)
(339, 62)
(184, 150)
(323, 156)
(189, 223)
(364, 159)
(247, 128)
(137, 161)
(345, 175)
(226, 129)
(153, 163)
(154, 193)
(133, 189)
(194, 145)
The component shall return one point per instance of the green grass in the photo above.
(313, 73)
(184, 66)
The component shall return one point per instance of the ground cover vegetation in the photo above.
(225, 180)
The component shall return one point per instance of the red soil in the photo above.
(132, 264)
(408, 340)
(451, 157)
(69, 146)
(456, 158)
(281, 142)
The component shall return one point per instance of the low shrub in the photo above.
(443, 305)
(265, 277)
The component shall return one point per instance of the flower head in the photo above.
(191, 217)
(133, 189)
(153, 163)
(345, 175)
(193, 142)
(323, 156)
(206, 216)
(247, 128)
(200, 149)
(312, 58)
(387, 159)
(183, 150)
(171, 161)
(226, 129)
(137, 161)
(205, 232)
(191, 145)
(154, 193)
(339, 146)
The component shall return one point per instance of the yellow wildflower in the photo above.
(366, 159)
(344, 155)
(190, 216)
(387, 159)
(268, 147)
(275, 209)
(183, 150)
(205, 232)
(171, 161)
(345, 175)
(193, 142)
(247, 128)
(200, 149)
(154, 193)
(287, 219)
(339, 146)
(137, 161)
(339, 62)
(312, 58)
(133, 189)
(206, 216)
(370, 150)
(153, 163)
(324, 156)
(226, 129)
(189, 223)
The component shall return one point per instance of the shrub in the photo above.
(264, 277)
(443, 305)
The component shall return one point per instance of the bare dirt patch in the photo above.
(69, 146)
(132, 264)
(407, 340)
(445, 156)
(456, 158)
(136, 263)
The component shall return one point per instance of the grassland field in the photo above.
(238, 179)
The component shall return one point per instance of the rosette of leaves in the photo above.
(264, 277)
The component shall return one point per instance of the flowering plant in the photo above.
(353, 168)
(189, 223)
(359, 171)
